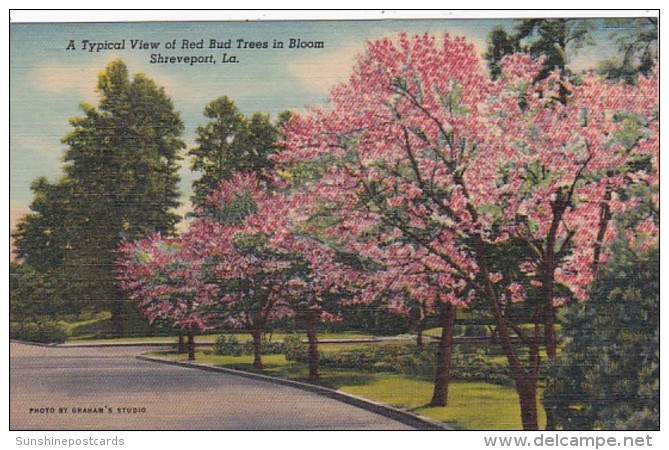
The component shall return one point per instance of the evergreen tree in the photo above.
(500, 44)
(219, 151)
(42, 237)
(551, 38)
(608, 375)
(231, 143)
(120, 182)
(637, 48)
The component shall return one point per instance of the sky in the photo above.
(48, 82)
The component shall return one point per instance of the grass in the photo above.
(74, 328)
(208, 338)
(472, 405)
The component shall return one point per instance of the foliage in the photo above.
(121, 177)
(168, 281)
(555, 40)
(229, 345)
(412, 360)
(43, 330)
(608, 374)
(432, 170)
(637, 40)
(231, 143)
(550, 39)
(30, 294)
(268, 347)
(42, 237)
(295, 349)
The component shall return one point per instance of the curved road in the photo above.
(96, 384)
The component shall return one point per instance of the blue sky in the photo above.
(48, 82)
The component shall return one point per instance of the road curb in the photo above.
(118, 344)
(36, 344)
(405, 417)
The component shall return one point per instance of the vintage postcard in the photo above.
(446, 222)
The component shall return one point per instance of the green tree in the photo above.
(29, 294)
(500, 44)
(43, 242)
(218, 152)
(637, 48)
(554, 39)
(120, 181)
(230, 143)
(608, 374)
(42, 238)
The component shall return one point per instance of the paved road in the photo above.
(91, 382)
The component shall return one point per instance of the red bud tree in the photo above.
(422, 148)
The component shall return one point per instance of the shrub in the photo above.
(409, 359)
(295, 349)
(272, 348)
(44, 331)
(608, 375)
(228, 345)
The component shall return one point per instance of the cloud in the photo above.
(16, 213)
(321, 73)
(48, 147)
(59, 77)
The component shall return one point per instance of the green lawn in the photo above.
(472, 406)
(75, 328)
(211, 338)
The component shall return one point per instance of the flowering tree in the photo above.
(264, 263)
(574, 167)
(166, 281)
(421, 150)
(384, 179)
(571, 168)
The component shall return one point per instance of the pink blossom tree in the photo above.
(246, 274)
(572, 167)
(384, 187)
(166, 282)
(422, 148)
(265, 261)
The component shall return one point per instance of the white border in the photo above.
(30, 16)
(279, 440)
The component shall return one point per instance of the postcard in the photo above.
(381, 223)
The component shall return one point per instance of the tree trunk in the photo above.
(191, 345)
(604, 219)
(117, 325)
(550, 336)
(314, 357)
(527, 393)
(442, 377)
(548, 287)
(419, 333)
(257, 348)
(181, 347)
(550, 339)
(526, 381)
